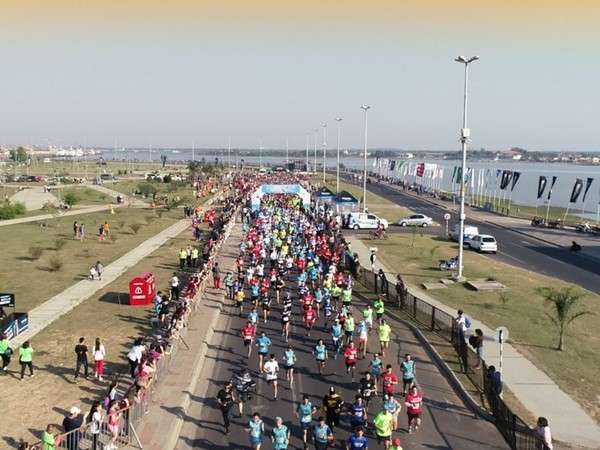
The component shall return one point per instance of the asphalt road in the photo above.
(447, 422)
(513, 248)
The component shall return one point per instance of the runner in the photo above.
(253, 317)
(248, 333)
(384, 336)
(271, 368)
(357, 441)
(368, 389)
(304, 412)
(363, 336)
(322, 435)
(379, 307)
(255, 430)
(376, 367)
(280, 435)
(358, 413)
(289, 360)
(262, 343)
(414, 405)
(408, 373)
(383, 428)
(346, 296)
(351, 355)
(332, 403)
(368, 317)
(225, 398)
(388, 380)
(265, 303)
(320, 353)
(286, 314)
(349, 327)
(239, 299)
(242, 384)
(336, 335)
(310, 316)
(394, 407)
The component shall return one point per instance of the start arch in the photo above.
(258, 194)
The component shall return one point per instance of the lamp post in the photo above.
(287, 151)
(366, 109)
(315, 164)
(465, 134)
(337, 182)
(307, 138)
(324, 150)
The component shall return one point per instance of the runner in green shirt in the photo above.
(384, 336)
(368, 317)
(383, 428)
(347, 297)
(379, 307)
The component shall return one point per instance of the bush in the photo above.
(71, 198)
(167, 178)
(59, 243)
(10, 210)
(135, 227)
(36, 252)
(56, 263)
(147, 189)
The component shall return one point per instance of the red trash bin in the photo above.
(142, 290)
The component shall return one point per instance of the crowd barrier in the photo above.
(515, 431)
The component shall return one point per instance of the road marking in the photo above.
(516, 259)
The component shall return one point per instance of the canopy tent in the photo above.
(280, 189)
(344, 202)
(323, 195)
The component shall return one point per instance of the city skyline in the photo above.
(196, 73)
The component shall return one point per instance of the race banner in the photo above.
(505, 180)
(577, 187)
(516, 176)
(588, 185)
(543, 181)
(551, 187)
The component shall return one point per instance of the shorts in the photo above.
(254, 441)
(255, 298)
(381, 439)
(284, 321)
(266, 308)
(362, 340)
(408, 380)
(269, 382)
(263, 353)
(304, 425)
(412, 416)
(113, 428)
(349, 333)
(247, 342)
(288, 368)
(350, 363)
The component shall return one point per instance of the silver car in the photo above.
(416, 220)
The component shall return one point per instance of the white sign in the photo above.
(447, 216)
(138, 290)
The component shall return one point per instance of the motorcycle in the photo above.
(450, 264)
(538, 222)
(378, 234)
(557, 224)
(583, 228)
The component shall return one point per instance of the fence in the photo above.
(514, 430)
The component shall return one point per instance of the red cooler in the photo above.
(142, 290)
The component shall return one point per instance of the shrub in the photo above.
(10, 210)
(56, 263)
(167, 178)
(135, 227)
(36, 252)
(147, 189)
(159, 213)
(59, 243)
(71, 198)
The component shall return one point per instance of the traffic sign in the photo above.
(447, 216)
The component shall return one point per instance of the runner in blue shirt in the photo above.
(280, 435)
(322, 434)
(262, 342)
(357, 441)
(304, 412)
(255, 430)
(336, 335)
(320, 353)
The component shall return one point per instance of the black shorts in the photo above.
(247, 342)
(263, 353)
(350, 364)
(266, 308)
(412, 416)
(381, 439)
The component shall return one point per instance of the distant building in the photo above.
(509, 154)
(406, 156)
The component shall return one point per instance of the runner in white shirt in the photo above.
(271, 367)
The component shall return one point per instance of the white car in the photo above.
(357, 221)
(416, 220)
(484, 243)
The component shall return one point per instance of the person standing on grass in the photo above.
(75, 230)
(105, 229)
(81, 232)
(182, 258)
(81, 351)
(99, 352)
(5, 351)
(26, 359)
(175, 286)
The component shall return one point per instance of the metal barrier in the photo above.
(517, 433)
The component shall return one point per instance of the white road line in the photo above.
(516, 259)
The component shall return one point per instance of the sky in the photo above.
(179, 73)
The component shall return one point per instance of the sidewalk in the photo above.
(34, 197)
(536, 391)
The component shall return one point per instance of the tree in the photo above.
(19, 155)
(71, 199)
(564, 302)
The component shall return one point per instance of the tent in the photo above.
(344, 202)
(323, 195)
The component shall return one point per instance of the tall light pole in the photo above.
(315, 164)
(307, 138)
(366, 109)
(337, 182)
(465, 135)
(324, 149)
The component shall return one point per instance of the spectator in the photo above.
(94, 420)
(99, 353)
(5, 351)
(543, 435)
(71, 424)
(26, 359)
(81, 351)
(51, 437)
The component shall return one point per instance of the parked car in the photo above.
(470, 231)
(484, 243)
(358, 221)
(416, 220)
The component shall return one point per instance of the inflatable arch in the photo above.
(280, 189)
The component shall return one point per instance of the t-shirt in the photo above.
(25, 354)
(376, 366)
(255, 429)
(408, 369)
(48, 440)
(81, 351)
(280, 436)
(366, 387)
(351, 354)
(349, 324)
(271, 368)
(414, 403)
(368, 314)
(357, 443)
(310, 315)
(70, 424)
(263, 344)
(333, 402)
(336, 331)
(289, 358)
(248, 332)
(322, 432)
(384, 332)
(320, 351)
(387, 380)
(305, 412)
(358, 412)
(226, 399)
(383, 424)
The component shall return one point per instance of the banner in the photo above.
(505, 180)
(375, 162)
(543, 181)
(516, 176)
(551, 187)
(588, 184)
(577, 187)
(454, 174)
(392, 165)
(399, 166)
(420, 169)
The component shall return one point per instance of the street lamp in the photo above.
(307, 138)
(366, 109)
(315, 164)
(324, 149)
(465, 135)
(337, 183)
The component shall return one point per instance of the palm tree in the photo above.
(564, 302)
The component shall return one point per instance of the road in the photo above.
(514, 248)
(447, 422)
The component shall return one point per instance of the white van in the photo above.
(470, 231)
(357, 221)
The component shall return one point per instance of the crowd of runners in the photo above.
(292, 268)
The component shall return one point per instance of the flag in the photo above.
(551, 186)
(588, 184)
(516, 176)
(577, 187)
(441, 173)
(420, 169)
(505, 180)
(454, 174)
(375, 162)
(543, 181)
(392, 165)
(399, 166)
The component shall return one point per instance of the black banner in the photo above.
(392, 166)
(505, 180)
(588, 184)
(577, 187)
(551, 187)
(516, 177)
(542, 186)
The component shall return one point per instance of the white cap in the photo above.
(74, 410)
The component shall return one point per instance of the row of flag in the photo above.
(575, 192)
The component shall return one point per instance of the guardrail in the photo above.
(515, 431)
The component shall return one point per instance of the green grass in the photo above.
(520, 309)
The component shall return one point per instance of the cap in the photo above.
(332, 389)
(74, 410)
(396, 441)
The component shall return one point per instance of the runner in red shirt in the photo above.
(240, 263)
(351, 355)
(308, 300)
(248, 333)
(414, 405)
(310, 316)
(388, 380)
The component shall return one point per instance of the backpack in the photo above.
(467, 323)
(473, 341)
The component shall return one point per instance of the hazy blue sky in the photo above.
(76, 72)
